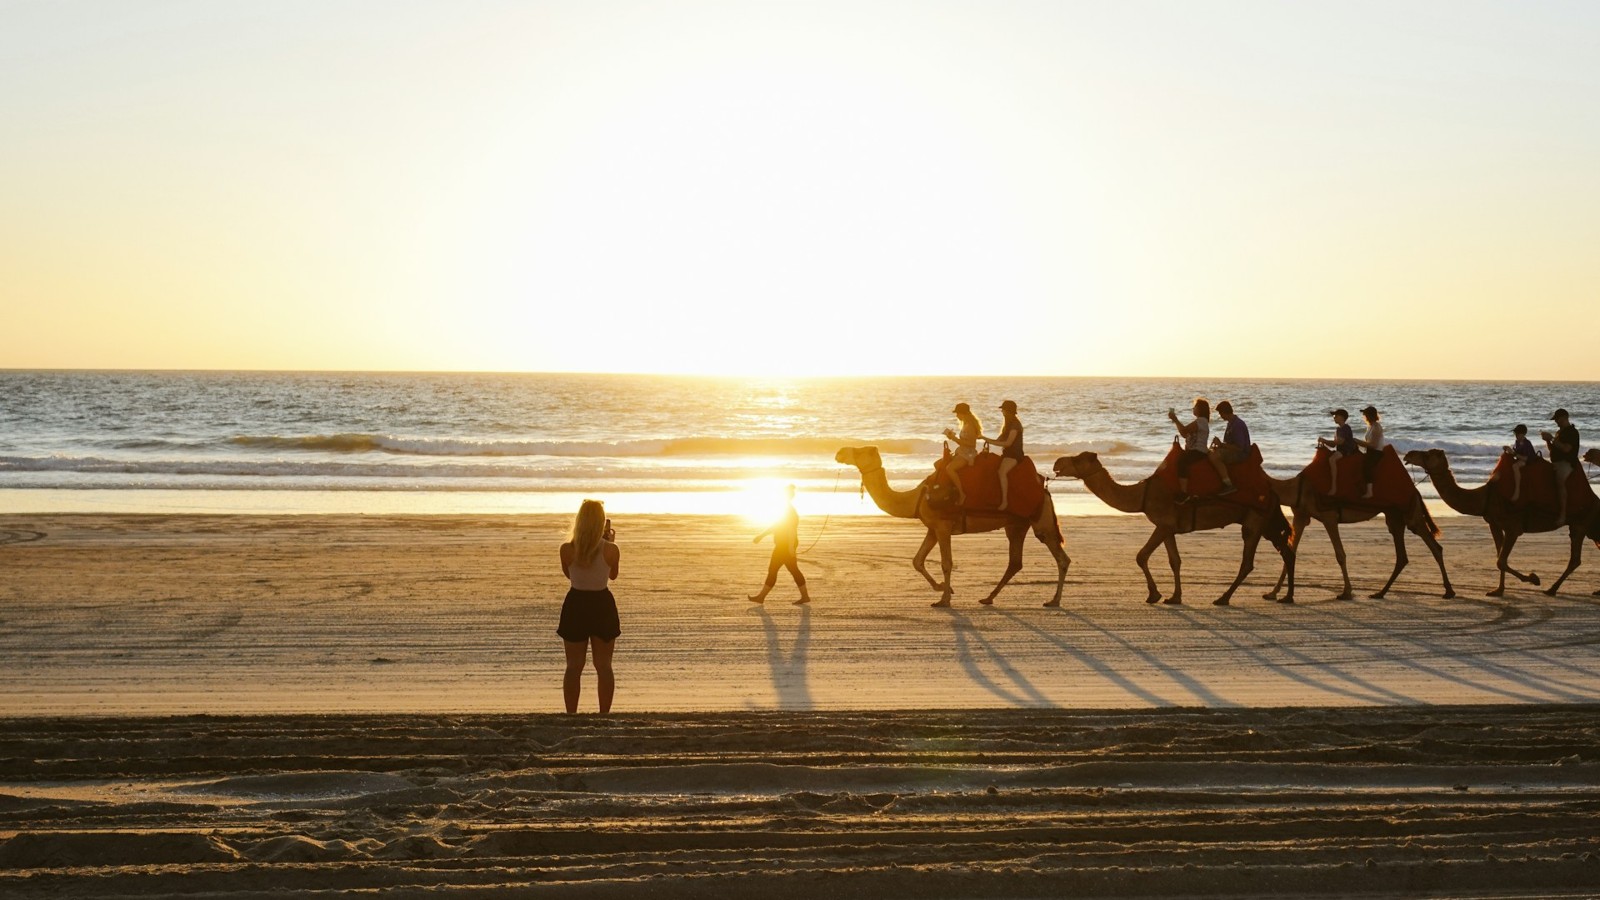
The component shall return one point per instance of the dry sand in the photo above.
(241, 707)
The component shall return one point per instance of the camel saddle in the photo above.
(1248, 476)
(1539, 487)
(1392, 486)
(981, 482)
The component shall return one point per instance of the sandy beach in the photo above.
(240, 706)
(314, 614)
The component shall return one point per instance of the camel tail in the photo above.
(1433, 527)
(1278, 530)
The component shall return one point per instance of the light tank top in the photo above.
(593, 575)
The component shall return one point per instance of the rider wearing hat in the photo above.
(966, 447)
(1563, 455)
(1010, 444)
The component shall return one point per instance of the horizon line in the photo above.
(766, 377)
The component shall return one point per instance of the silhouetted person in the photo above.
(1341, 445)
(1522, 453)
(1195, 436)
(1232, 447)
(589, 622)
(1010, 444)
(785, 551)
(1563, 455)
(1371, 444)
(966, 447)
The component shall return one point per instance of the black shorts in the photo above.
(1188, 458)
(589, 614)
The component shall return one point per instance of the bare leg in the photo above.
(572, 681)
(1221, 465)
(1333, 467)
(602, 670)
(1516, 482)
(793, 565)
(952, 471)
(1006, 465)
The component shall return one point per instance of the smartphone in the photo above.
(608, 532)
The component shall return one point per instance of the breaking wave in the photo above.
(692, 446)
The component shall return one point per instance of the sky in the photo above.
(1242, 189)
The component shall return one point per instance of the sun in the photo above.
(761, 500)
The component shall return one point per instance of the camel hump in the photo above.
(1539, 487)
(980, 481)
(1391, 483)
(1249, 477)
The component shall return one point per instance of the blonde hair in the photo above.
(588, 530)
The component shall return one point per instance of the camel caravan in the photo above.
(974, 490)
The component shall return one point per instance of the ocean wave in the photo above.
(691, 446)
(436, 472)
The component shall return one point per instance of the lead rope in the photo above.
(830, 512)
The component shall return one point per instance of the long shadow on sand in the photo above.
(1548, 689)
(967, 636)
(1227, 628)
(789, 680)
(1094, 664)
(1204, 695)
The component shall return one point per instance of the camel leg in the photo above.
(945, 564)
(1338, 554)
(919, 562)
(1143, 558)
(1437, 549)
(1508, 541)
(1176, 562)
(1247, 561)
(1576, 533)
(1016, 531)
(1055, 542)
(1301, 520)
(1397, 530)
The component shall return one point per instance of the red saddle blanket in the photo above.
(1248, 476)
(1539, 487)
(1391, 483)
(981, 482)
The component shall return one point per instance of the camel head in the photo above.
(1079, 466)
(1592, 456)
(1430, 461)
(864, 458)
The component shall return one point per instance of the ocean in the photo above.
(280, 442)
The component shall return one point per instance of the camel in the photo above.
(1171, 518)
(941, 525)
(1306, 504)
(1506, 523)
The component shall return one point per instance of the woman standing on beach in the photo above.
(589, 622)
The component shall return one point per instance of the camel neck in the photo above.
(900, 504)
(1467, 501)
(1121, 497)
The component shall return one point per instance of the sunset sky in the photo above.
(1384, 189)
